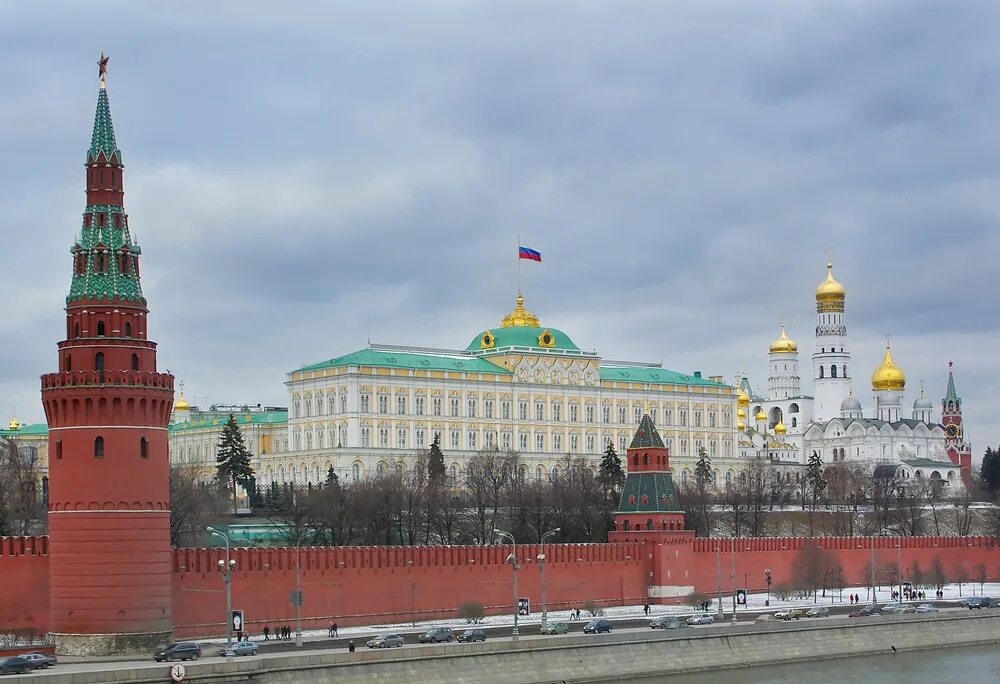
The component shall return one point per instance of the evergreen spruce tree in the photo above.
(989, 471)
(611, 474)
(232, 462)
(703, 470)
(331, 477)
(435, 462)
(816, 484)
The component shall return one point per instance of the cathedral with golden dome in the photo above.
(788, 426)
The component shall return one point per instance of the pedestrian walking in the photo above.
(350, 645)
(336, 632)
(267, 630)
(329, 632)
(645, 609)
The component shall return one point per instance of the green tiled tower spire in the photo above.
(951, 394)
(105, 259)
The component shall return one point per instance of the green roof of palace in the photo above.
(653, 375)
(33, 430)
(654, 486)
(646, 436)
(927, 463)
(410, 360)
(522, 336)
(103, 138)
(241, 419)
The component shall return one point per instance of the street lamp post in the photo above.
(541, 570)
(512, 559)
(767, 580)
(298, 591)
(226, 567)
(732, 556)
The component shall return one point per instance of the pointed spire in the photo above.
(103, 138)
(951, 394)
(646, 435)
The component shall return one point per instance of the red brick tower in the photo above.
(649, 509)
(958, 449)
(107, 410)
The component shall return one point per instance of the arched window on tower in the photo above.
(128, 329)
(821, 371)
(76, 330)
(143, 447)
(844, 369)
(833, 371)
(135, 362)
(98, 447)
(99, 366)
(625, 525)
(69, 363)
(649, 524)
(100, 328)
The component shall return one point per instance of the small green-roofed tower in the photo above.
(649, 509)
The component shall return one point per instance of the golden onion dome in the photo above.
(830, 291)
(742, 399)
(741, 426)
(780, 428)
(888, 376)
(182, 404)
(520, 317)
(784, 344)
(741, 412)
(761, 416)
(14, 424)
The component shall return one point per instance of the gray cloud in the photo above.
(300, 175)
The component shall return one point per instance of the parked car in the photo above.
(39, 661)
(978, 602)
(597, 626)
(764, 618)
(182, 650)
(926, 608)
(555, 628)
(865, 611)
(15, 665)
(667, 622)
(437, 635)
(385, 641)
(241, 648)
(472, 635)
(818, 611)
(791, 614)
(701, 619)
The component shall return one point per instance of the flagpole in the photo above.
(517, 254)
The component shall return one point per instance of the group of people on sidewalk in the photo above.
(280, 633)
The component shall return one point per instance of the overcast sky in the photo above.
(298, 175)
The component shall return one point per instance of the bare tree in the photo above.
(938, 576)
(962, 509)
(194, 502)
(487, 479)
(22, 508)
(812, 568)
(959, 575)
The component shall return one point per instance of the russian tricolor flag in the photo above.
(528, 253)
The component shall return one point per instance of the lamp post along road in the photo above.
(227, 576)
(541, 570)
(298, 591)
(512, 559)
(732, 554)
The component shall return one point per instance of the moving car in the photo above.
(897, 609)
(926, 608)
(818, 611)
(764, 618)
(472, 635)
(701, 619)
(39, 661)
(978, 602)
(437, 635)
(385, 641)
(182, 650)
(15, 665)
(597, 626)
(866, 611)
(666, 622)
(242, 648)
(555, 628)
(791, 614)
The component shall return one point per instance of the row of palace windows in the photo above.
(488, 406)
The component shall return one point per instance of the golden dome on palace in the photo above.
(784, 344)
(780, 428)
(741, 412)
(761, 416)
(520, 317)
(742, 399)
(741, 426)
(182, 404)
(13, 424)
(830, 292)
(888, 376)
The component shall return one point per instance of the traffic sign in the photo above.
(177, 673)
(524, 607)
(741, 597)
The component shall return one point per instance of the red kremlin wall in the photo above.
(370, 585)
